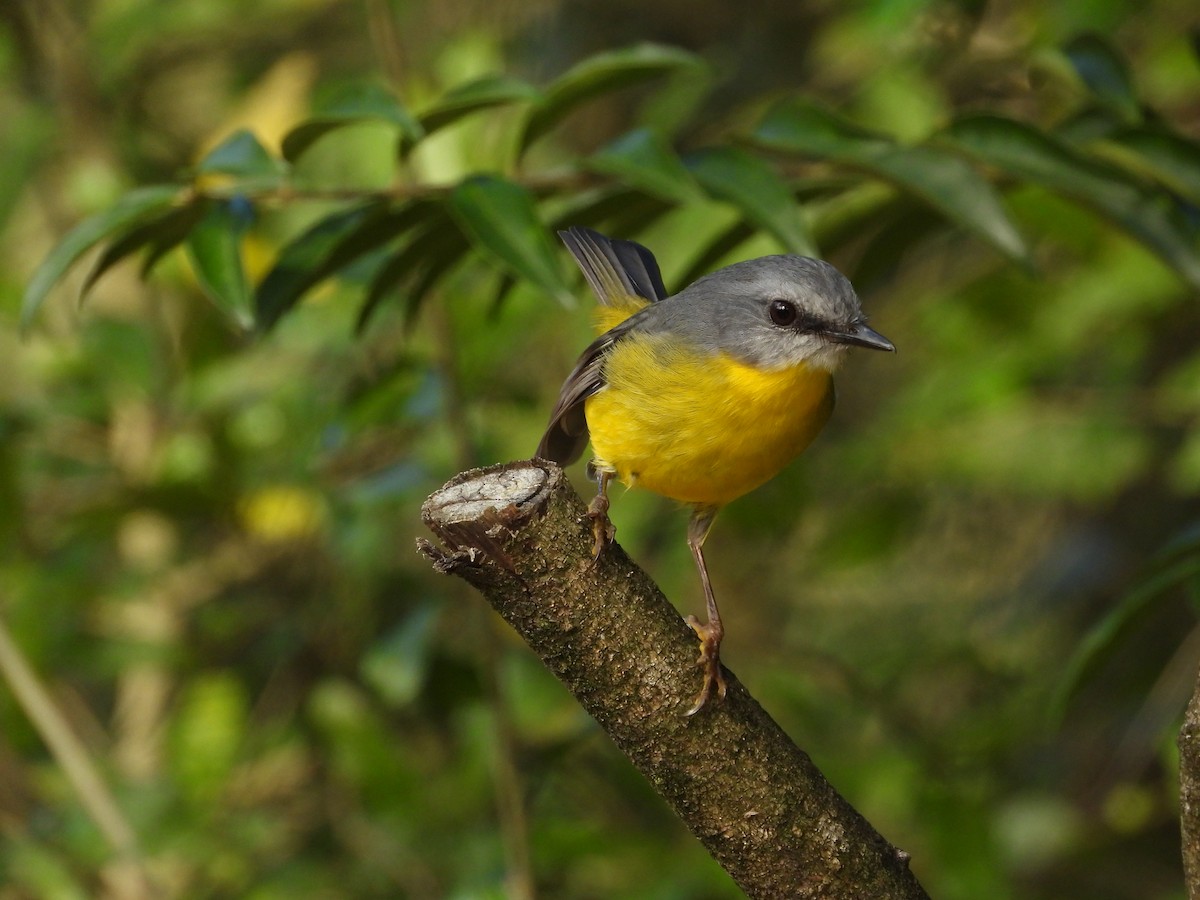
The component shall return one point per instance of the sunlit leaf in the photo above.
(159, 235)
(215, 248)
(1104, 72)
(482, 93)
(1149, 215)
(242, 156)
(206, 735)
(644, 159)
(756, 189)
(501, 218)
(602, 74)
(940, 178)
(132, 209)
(361, 103)
(327, 247)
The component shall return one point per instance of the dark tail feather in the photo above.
(615, 269)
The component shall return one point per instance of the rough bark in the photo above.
(519, 534)
(1189, 793)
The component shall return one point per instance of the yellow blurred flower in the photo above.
(282, 513)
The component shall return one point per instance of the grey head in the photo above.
(772, 312)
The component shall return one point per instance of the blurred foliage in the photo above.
(316, 245)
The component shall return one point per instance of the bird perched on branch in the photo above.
(704, 395)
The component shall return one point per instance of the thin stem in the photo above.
(70, 754)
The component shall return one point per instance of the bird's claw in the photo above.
(603, 529)
(710, 661)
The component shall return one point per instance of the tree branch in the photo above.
(1189, 793)
(518, 533)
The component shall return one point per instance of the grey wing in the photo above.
(567, 433)
(616, 270)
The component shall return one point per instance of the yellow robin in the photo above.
(703, 395)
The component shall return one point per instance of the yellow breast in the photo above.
(700, 428)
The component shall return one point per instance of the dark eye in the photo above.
(783, 313)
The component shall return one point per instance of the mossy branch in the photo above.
(518, 533)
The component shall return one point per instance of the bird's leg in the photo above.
(710, 632)
(602, 527)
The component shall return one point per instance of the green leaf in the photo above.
(242, 156)
(897, 230)
(327, 247)
(755, 188)
(215, 249)
(132, 209)
(1119, 621)
(1148, 214)
(482, 93)
(423, 260)
(717, 249)
(601, 74)
(1104, 72)
(621, 210)
(643, 158)
(500, 217)
(1172, 160)
(361, 103)
(941, 179)
(160, 234)
(398, 664)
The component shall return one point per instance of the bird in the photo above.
(703, 395)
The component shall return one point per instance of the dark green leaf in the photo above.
(172, 236)
(501, 218)
(482, 93)
(644, 159)
(130, 210)
(1104, 637)
(1090, 124)
(842, 218)
(718, 248)
(602, 74)
(504, 287)
(422, 261)
(159, 234)
(941, 179)
(363, 103)
(327, 247)
(755, 188)
(215, 248)
(619, 209)
(1172, 160)
(904, 225)
(242, 156)
(1149, 215)
(1104, 72)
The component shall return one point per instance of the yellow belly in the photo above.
(701, 429)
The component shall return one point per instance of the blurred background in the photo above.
(972, 601)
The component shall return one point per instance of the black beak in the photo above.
(862, 336)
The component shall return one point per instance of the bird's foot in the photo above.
(602, 527)
(710, 661)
